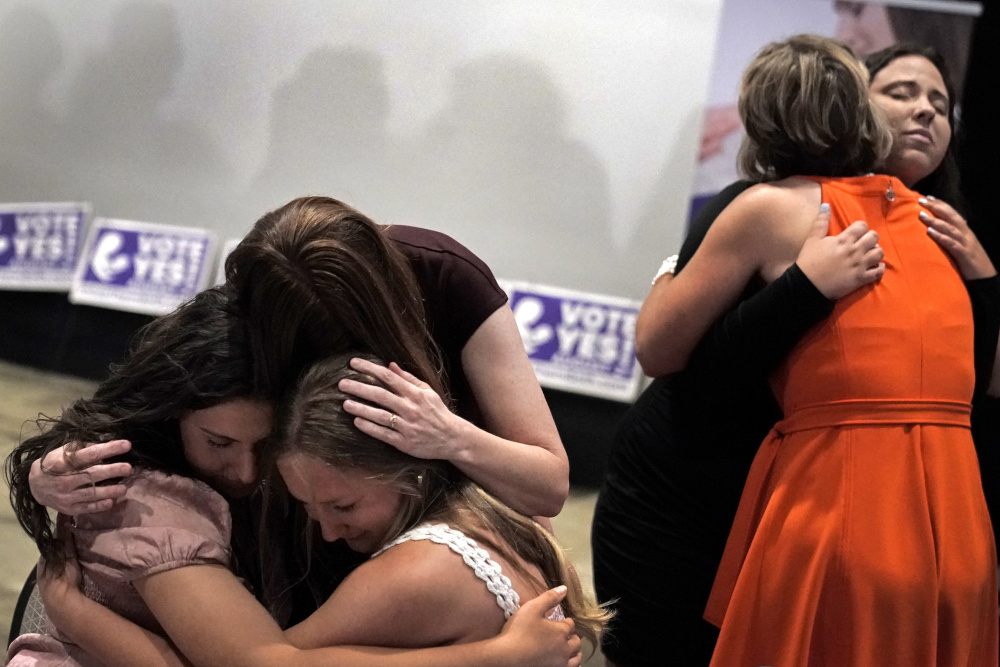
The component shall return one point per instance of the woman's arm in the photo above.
(217, 622)
(95, 628)
(518, 456)
(677, 312)
(951, 231)
(826, 268)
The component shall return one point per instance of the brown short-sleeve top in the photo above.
(459, 293)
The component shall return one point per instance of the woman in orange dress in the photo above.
(862, 536)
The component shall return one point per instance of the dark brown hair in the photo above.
(314, 422)
(944, 181)
(804, 103)
(316, 277)
(195, 357)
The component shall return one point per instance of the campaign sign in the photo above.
(39, 244)
(220, 268)
(583, 343)
(141, 267)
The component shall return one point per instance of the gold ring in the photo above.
(392, 421)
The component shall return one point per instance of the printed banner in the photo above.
(141, 267)
(39, 244)
(578, 342)
(866, 27)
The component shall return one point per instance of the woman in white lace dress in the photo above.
(421, 519)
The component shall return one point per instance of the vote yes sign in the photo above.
(39, 243)
(142, 267)
(584, 343)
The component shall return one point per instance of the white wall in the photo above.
(556, 138)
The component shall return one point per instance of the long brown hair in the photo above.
(313, 422)
(804, 103)
(195, 357)
(317, 277)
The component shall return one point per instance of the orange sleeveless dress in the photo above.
(862, 537)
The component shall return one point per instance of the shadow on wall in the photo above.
(328, 133)
(31, 55)
(671, 190)
(127, 157)
(498, 167)
(495, 168)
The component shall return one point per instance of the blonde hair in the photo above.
(805, 106)
(314, 422)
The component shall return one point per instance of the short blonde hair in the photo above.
(804, 103)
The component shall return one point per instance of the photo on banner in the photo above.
(866, 27)
(578, 342)
(142, 267)
(39, 244)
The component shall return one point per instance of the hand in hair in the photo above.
(66, 479)
(838, 265)
(409, 415)
(952, 233)
(535, 642)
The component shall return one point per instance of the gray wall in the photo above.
(555, 138)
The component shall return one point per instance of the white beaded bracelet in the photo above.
(668, 266)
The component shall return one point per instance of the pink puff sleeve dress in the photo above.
(164, 522)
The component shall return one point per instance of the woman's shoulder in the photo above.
(391, 596)
(775, 203)
(177, 494)
(163, 521)
(785, 192)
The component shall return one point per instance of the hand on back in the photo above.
(537, 642)
(952, 233)
(838, 265)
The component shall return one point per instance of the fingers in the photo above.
(378, 431)
(377, 416)
(544, 603)
(821, 223)
(90, 499)
(873, 256)
(381, 373)
(868, 241)
(854, 231)
(409, 377)
(944, 227)
(95, 453)
(383, 398)
(62, 460)
(874, 273)
(941, 209)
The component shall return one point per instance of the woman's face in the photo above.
(864, 27)
(911, 92)
(345, 503)
(220, 443)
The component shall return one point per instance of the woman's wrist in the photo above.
(64, 606)
(459, 444)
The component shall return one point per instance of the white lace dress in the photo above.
(476, 558)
